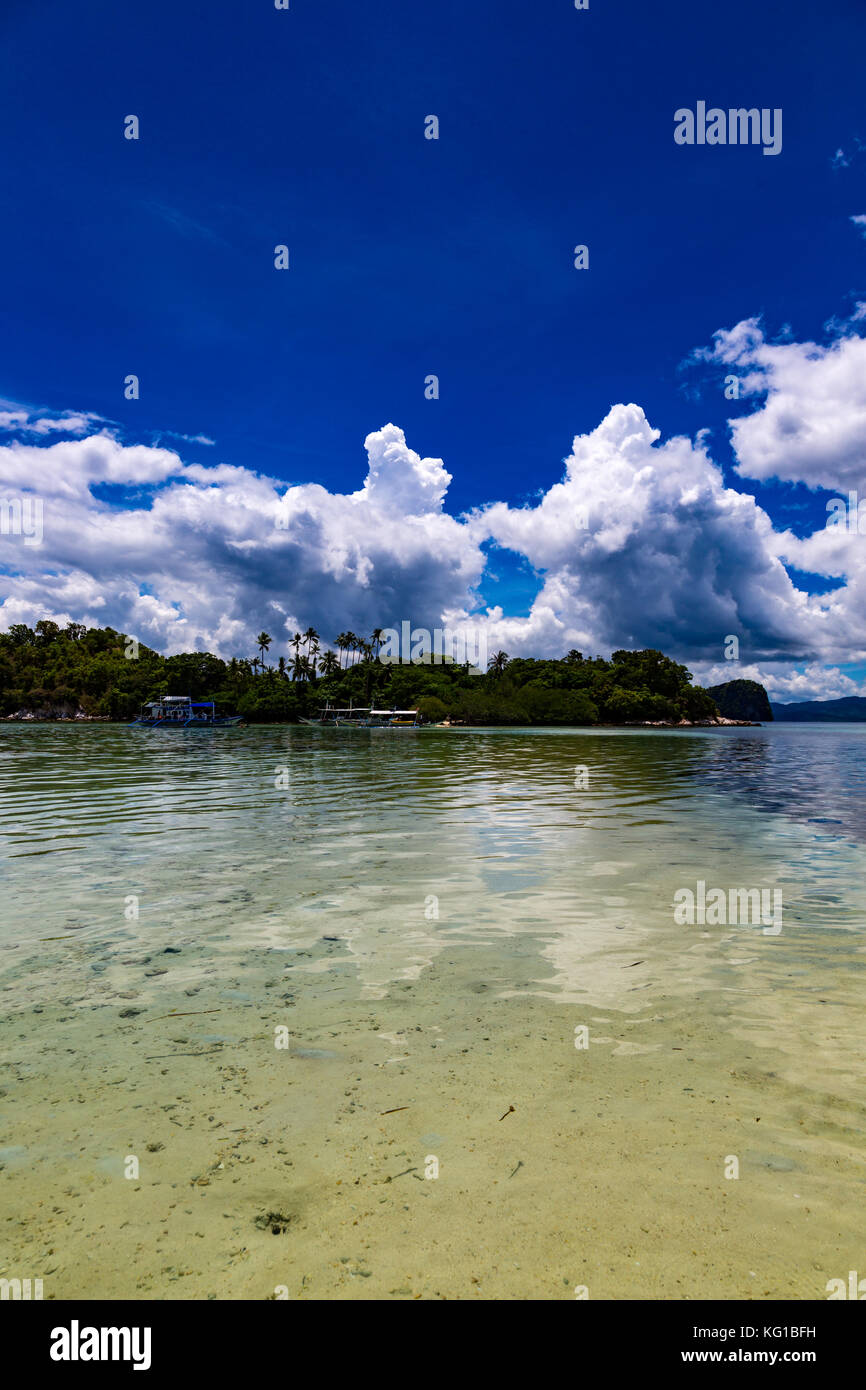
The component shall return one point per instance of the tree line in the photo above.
(56, 672)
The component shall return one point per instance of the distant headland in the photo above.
(851, 709)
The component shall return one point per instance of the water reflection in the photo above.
(404, 846)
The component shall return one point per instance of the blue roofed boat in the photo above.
(181, 712)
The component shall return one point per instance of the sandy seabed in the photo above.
(306, 1171)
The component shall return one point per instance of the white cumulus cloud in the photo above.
(640, 543)
(811, 426)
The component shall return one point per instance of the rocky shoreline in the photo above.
(689, 723)
(29, 716)
(79, 717)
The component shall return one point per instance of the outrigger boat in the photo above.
(181, 712)
(361, 718)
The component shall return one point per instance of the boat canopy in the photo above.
(182, 712)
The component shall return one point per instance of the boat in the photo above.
(329, 717)
(361, 717)
(394, 719)
(182, 712)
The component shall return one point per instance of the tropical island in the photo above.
(75, 672)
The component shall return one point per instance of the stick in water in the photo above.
(190, 1014)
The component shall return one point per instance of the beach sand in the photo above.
(268, 1172)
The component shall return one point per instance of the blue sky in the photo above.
(410, 256)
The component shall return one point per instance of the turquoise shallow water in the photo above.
(428, 911)
(279, 830)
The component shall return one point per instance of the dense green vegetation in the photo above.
(53, 671)
(99, 672)
(742, 700)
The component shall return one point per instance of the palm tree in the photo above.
(254, 663)
(498, 663)
(352, 644)
(281, 667)
(328, 664)
(340, 644)
(377, 637)
(263, 642)
(311, 639)
(296, 643)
